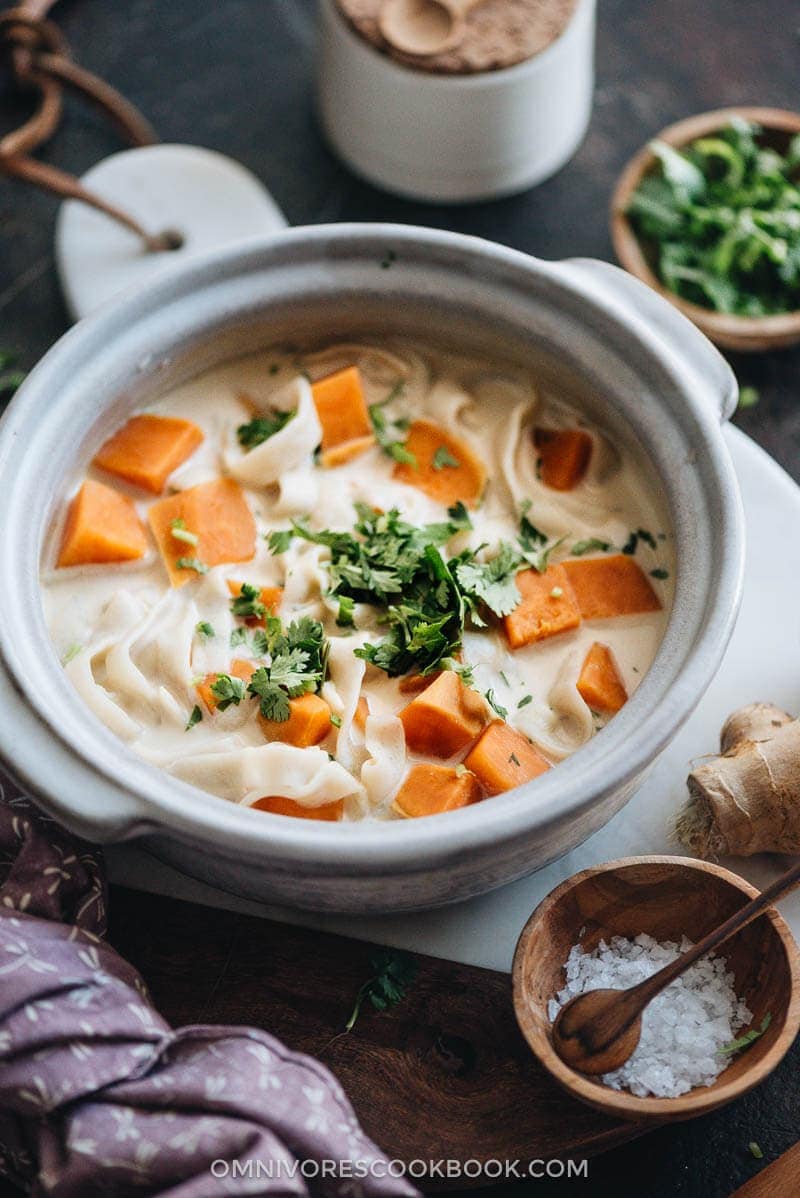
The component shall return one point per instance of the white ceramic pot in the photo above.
(453, 138)
(588, 327)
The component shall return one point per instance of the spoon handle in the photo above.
(651, 986)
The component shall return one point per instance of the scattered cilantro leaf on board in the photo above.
(394, 973)
(748, 398)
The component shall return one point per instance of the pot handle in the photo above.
(680, 338)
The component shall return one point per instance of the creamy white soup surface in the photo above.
(369, 582)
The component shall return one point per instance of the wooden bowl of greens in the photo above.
(708, 214)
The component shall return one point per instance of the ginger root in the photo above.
(747, 800)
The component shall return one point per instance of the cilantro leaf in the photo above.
(590, 545)
(443, 458)
(394, 973)
(748, 1038)
(492, 582)
(261, 428)
(195, 716)
(204, 629)
(386, 435)
(227, 690)
(247, 604)
(280, 540)
(191, 563)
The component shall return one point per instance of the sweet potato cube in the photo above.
(240, 668)
(339, 455)
(446, 468)
(548, 607)
(330, 812)
(217, 514)
(430, 789)
(504, 758)
(102, 526)
(564, 456)
(599, 683)
(444, 718)
(341, 407)
(610, 586)
(415, 684)
(270, 597)
(309, 722)
(147, 449)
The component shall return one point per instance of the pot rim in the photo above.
(605, 764)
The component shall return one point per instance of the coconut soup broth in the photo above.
(412, 439)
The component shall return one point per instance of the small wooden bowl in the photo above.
(665, 897)
(747, 333)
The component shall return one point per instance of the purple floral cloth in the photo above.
(98, 1095)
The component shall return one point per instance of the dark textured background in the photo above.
(236, 75)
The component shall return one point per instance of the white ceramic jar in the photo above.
(455, 138)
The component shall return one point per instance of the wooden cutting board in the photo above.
(445, 1074)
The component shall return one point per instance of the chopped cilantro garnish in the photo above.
(535, 549)
(344, 617)
(659, 573)
(280, 540)
(71, 653)
(386, 435)
(590, 545)
(496, 707)
(632, 543)
(336, 720)
(195, 717)
(513, 759)
(205, 629)
(191, 563)
(247, 604)
(298, 658)
(181, 533)
(442, 458)
(227, 690)
(755, 1150)
(493, 582)
(261, 428)
(525, 700)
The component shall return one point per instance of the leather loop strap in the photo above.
(34, 50)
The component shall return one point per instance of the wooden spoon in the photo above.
(424, 27)
(597, 1031)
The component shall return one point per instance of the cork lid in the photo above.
(499, 33)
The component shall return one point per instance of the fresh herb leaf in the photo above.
(298, 662)
(495, 706)
(748, 397)
(9, 379)
(191, 563)
(492, 582)
(195, 717)
(227, 690)
(205, 629)
(513, 759)
(524, 701)
(755, 1150)
(394, 973)
(280, 540)
(336, 720)
(345, 617)
(181, 533)
(247, 604)
(590, 545)
(748, 1038)
(261, 428)
(721, 218)
(389, 258)
(659, 573)
(442, 458)
(386, 435)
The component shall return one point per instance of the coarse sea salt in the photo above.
(683, 1028)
